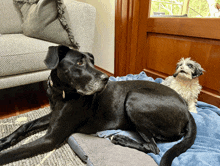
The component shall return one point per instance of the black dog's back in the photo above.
(110, 110)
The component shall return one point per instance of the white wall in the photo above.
(104, 45)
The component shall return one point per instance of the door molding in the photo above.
(130, 35)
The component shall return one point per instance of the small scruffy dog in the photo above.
(185, 81)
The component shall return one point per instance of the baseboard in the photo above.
(154, 74)
(104, 71)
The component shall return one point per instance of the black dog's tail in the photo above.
(182, 146)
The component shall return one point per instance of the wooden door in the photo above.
(155, 45)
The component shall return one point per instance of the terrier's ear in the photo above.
(198, 71)
(54, 55)
(175, 74)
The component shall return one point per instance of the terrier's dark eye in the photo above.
(190, 65)
(178, 66)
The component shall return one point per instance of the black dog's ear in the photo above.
(54, 55)
(91, 56)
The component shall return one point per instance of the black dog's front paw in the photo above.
(114, 139)
(119, 140)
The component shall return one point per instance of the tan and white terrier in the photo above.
(185, 81)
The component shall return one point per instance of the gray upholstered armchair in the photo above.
(21, 57)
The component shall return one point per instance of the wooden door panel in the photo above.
(164, 51)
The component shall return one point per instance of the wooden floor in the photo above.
(18, 100)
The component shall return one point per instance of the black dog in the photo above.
(83, 100)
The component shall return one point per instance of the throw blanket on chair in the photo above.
(206, 149)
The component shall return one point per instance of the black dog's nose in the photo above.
(104, 77)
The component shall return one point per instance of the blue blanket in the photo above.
(206, 149)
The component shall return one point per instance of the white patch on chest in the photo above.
(188, 89)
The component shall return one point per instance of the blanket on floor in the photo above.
(206, 149)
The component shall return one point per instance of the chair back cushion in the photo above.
(10, 21)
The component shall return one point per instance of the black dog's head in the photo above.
(76, 70)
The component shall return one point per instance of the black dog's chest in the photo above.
(107, 113)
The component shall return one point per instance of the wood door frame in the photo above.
(129, 29)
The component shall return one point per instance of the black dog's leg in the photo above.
(25, 129)
(128, 142)
(51, 140)
(61, 126)
(136, 108)
(28, 150)
(150, 143)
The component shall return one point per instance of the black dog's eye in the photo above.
(190, 65)
(80, 63)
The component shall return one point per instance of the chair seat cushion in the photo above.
(20, 54)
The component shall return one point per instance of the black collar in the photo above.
(62, 90)
(51, 85)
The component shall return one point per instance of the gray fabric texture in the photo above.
(10, 22)
(82, 18)
(64, 156)
(20, 54)
(102, 152)
(46, 20)
(23, 79)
